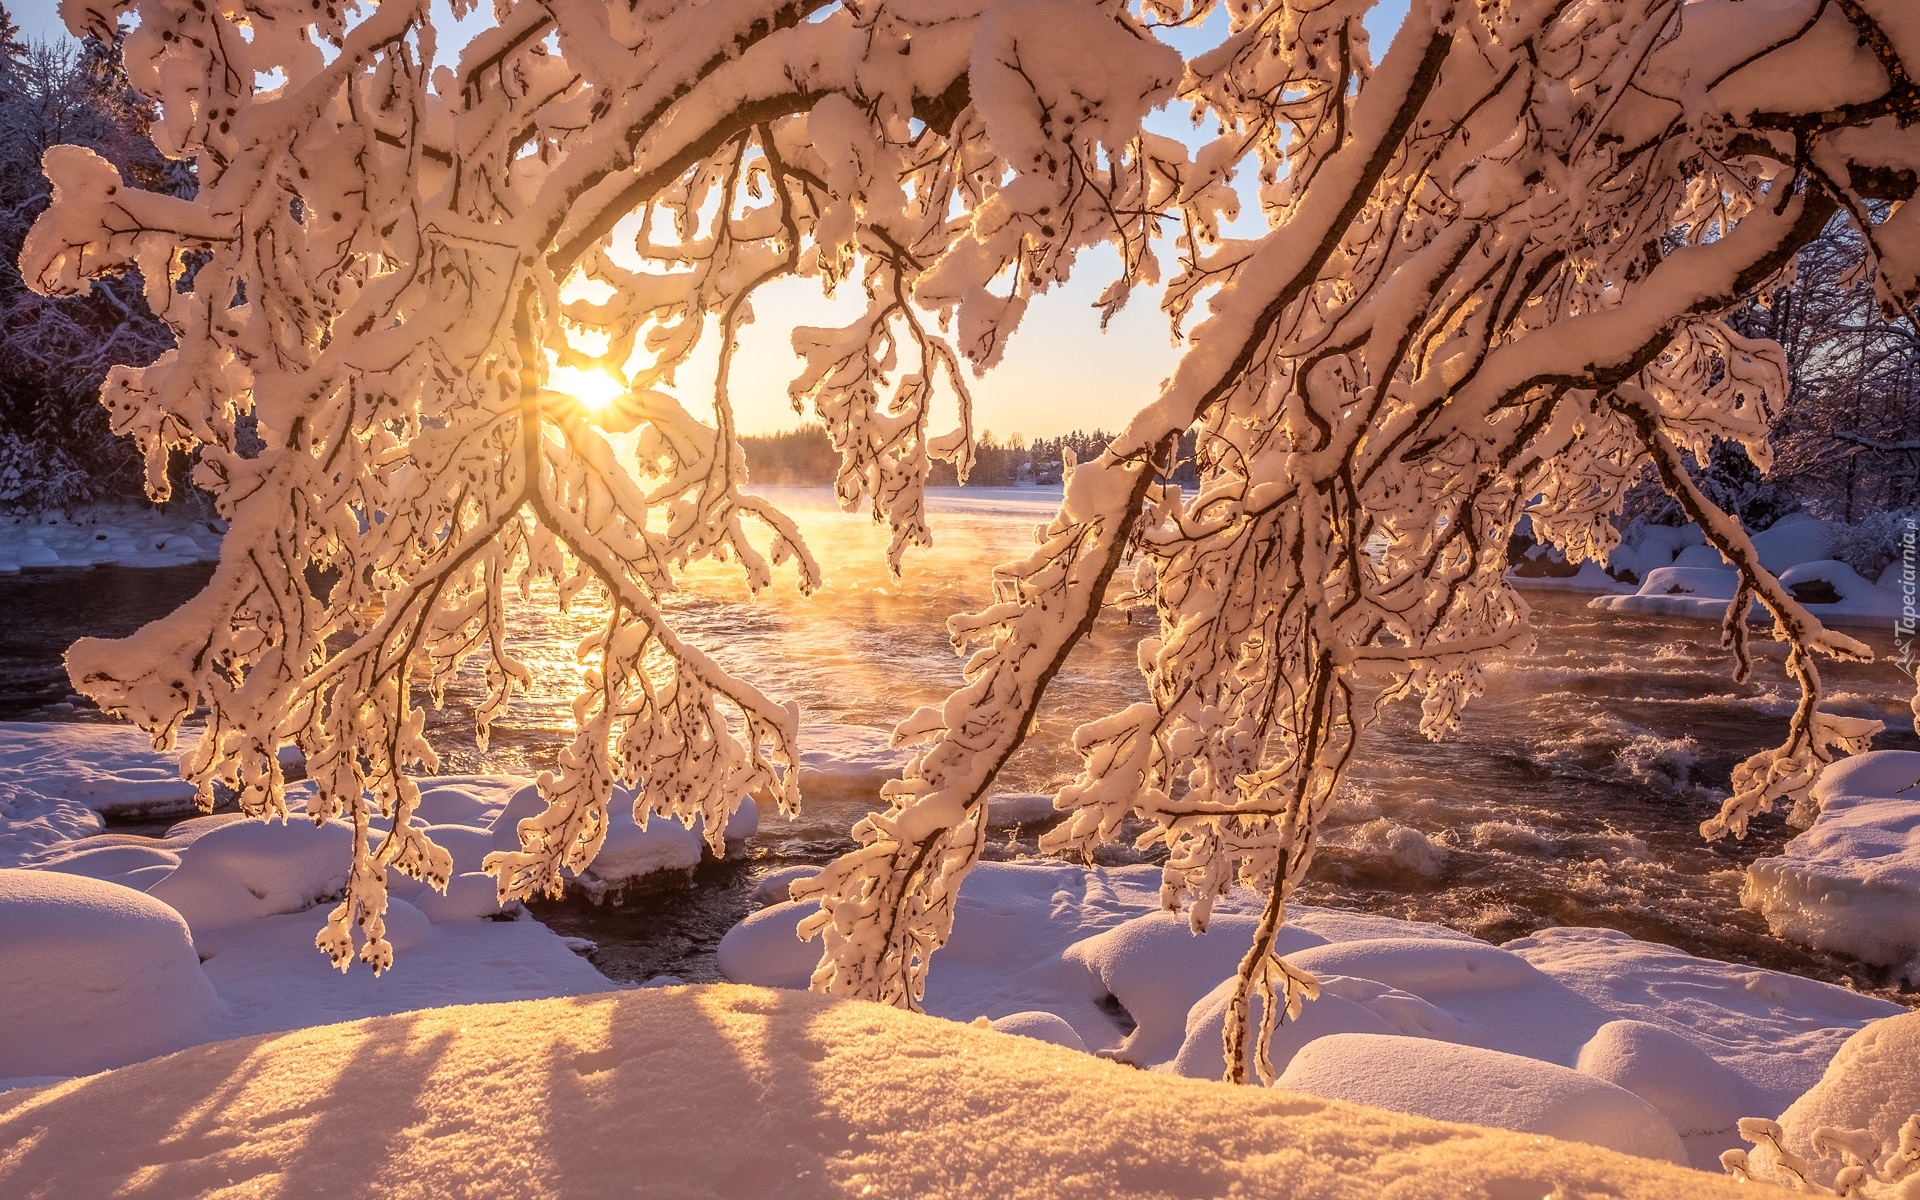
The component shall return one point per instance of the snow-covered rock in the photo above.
(1482, 1087)
(1159, 969)
(763, 950)
(125, 536)
(1042, 1027)
(1700, 1098)
(1202, 1046)
(1011, 810)
(630, 853)
(1851, 883)
(1681, 576)
(243, 870)
(746, 1092)
(1859, 600)
(1092, 948)
(93, 975)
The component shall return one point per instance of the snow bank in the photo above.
(1872, 1086)
(33, 826)
(93, 975)
(1851, 883)
(126, 537)
(1483, 1087)
(111, 769)
(1682, 577)
(1092, 948)
(744, 1092)
(240, 902)
(1776, 1032)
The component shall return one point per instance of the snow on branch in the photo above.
(1489, 287)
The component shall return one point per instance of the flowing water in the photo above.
(1572, 794)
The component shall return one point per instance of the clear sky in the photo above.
(1060, 372)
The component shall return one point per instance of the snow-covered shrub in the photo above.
(1487, 287)
(1878, 539)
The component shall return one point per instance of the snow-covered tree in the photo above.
(1489, 286)
(55, 446)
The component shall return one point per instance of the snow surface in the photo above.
(126, 537)
(1450, 1082)
(1089, 944)
(735, 1091)
(93, 975)
(241, 901)
(1873, 1084)
(1681, 576)
(110, 769)
(1851, 883)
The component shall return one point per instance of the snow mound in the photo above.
(466, 799)
(1700, 1098)
(244, 870)
(1851, 883)
(1873, 1084)
(1773, 1030)
(1158, 969)
(747, 1092)
(1465, 1083)
(1794, 539)
(1042, 1027)
(1202, 1052)
(129, 861)
(93, 975)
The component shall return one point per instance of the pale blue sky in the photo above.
(1059, 373)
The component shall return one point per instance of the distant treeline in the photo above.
(805, 457)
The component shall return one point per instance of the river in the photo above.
(1572, 794)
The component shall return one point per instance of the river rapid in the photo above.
(1572, 793)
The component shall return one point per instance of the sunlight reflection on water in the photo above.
(1571, 795)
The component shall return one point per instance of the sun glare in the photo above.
(595, 390)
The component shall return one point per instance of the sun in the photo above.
(595, 390)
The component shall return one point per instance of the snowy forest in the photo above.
(1468, 703)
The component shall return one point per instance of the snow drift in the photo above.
(736, 1091)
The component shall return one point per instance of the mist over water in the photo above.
(1572, 793)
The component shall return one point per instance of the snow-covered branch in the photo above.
(1489, 287)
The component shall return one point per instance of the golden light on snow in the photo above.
(595, 390)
